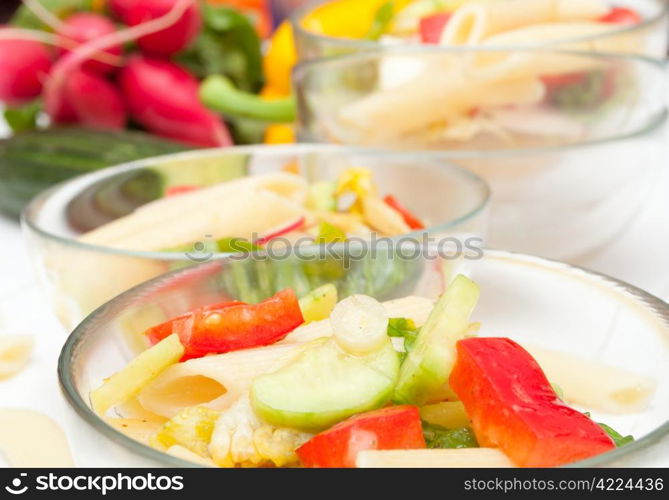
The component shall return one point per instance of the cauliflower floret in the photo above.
(240, 438)
(191, 428)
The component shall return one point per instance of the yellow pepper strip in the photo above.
(342, 18)
(358, 181)
(279, 61)
(280, 133)
(346, 18)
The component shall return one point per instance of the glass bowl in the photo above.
(647, 38)
(80, 276)
(569, 142)
(537, 302)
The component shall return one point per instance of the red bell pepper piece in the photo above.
(392, 428)
(157, 333)
(431, 27)
(621, 15)
(229, 327)
(513, 406)
(412, 221)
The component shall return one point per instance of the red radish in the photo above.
(120, 8)
(163, 97)
(177, 190)
(169, 40)
(96, 102)
(84, 27)
(63, 112)
(24, 65)
(54, 86)
(281, 231)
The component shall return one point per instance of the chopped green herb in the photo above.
(618, 438)
(437, 436)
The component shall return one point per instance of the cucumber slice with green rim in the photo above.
(426, 368)
(324, 386)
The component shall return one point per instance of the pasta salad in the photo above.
(323, 382)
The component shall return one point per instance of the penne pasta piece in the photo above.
(438, 96)
(433, 458)
(213, 381)
(265, 201)
(477, 21)
(14, 353)
(127, 383)
(593, 385)
(380, 216)
(32, 439)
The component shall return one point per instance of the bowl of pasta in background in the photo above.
(100, 234)
(324, 29)
(574, 322)
(569, 142)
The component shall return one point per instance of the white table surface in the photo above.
(640, 256)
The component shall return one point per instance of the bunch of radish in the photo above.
(84, 77)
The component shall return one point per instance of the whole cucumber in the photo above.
(33, 161)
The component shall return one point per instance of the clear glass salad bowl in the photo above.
(569, 142)
(647, 38)
(80, 276)
(539, 303)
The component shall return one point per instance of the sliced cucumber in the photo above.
(427, 367)
(324, 386)
(319, 303)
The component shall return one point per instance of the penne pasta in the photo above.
(438, 96)
(476, 21)
(214, 381)
(14, 353)
(32, 439)
(265, 201)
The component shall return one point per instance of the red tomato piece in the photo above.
(392, 428)
(621, 15)
(237, 326)
(412, 221)
(431, 27)
(513, 406)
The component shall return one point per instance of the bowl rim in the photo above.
(662, 11)
(658, 307)
(653, 122)
(32, 211)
